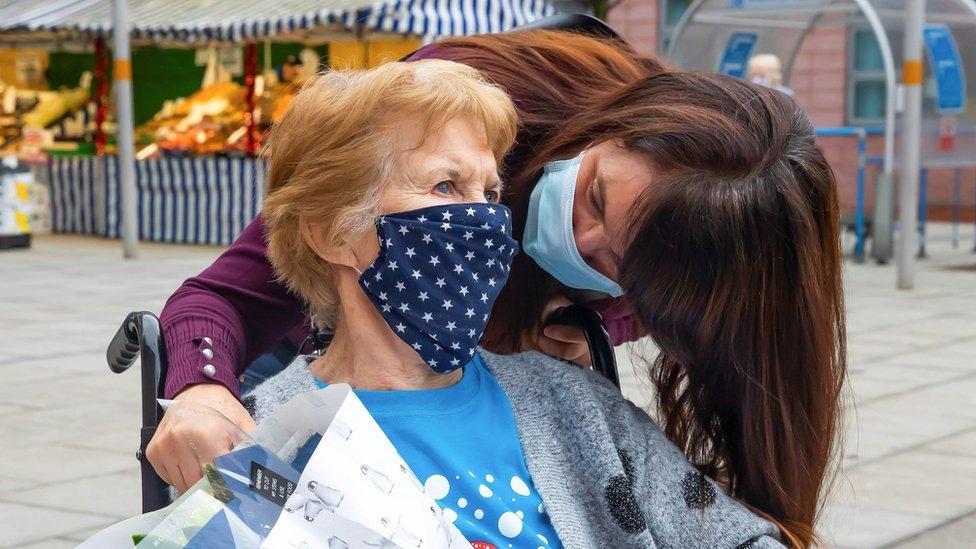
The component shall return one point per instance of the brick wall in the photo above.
(636, 21)
(819, 76)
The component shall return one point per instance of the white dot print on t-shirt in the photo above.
(450, 514)
(479, 514)
(462, 503)
(437, 486)
(484, 491)
(490, 478)
(519, 486)
(509, 524)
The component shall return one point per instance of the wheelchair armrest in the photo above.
(141, 335)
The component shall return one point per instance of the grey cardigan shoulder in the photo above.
(617, 480)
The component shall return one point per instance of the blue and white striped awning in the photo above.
(203, 21)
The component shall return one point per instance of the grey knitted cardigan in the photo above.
(607, 474)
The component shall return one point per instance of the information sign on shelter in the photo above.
(946, 67)
(737, 52)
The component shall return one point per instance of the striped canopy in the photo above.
(203, 21)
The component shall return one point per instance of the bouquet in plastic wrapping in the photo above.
(318, 473)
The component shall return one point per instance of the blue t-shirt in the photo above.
(462, 443)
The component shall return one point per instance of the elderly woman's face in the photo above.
(454, 164)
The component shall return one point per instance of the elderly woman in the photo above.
(382, 216)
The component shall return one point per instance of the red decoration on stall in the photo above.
(101, 94)
(250, 73)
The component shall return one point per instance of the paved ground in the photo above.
(68, 428)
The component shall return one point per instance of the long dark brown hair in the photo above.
(733, 263)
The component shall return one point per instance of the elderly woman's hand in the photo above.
(206, 421)
(563, 342)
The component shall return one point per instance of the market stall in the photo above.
(198, 175)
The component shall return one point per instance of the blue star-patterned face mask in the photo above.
(438, 273)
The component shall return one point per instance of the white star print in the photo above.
(470, 333)
(423, 296)
(422, 219)
(383, 296)
(426, 238)
(469, 256)
(474, 275)
(445, 225)
(440, 283)
(484, 298)
(458, 269)
(400, 327)
(503, 229)
(389, 242)
(387, 308)
(447, 304)
(470, 211)
(451, 326)
(489, 244)
(491, 210)
(403, 229)
(491, 282)
(410, 253)
(485, 317)
(432, 362)
(455, 362)
(434, 260)
(449, 247)
(417, 346)
(455, 346)
(486, 226)
(400, 286)
(491, 263)
(404, 307)
(447, 216)
(470, 313)
(464, 290)
(428, 317)
(379, 275)
(416, 274)
(468, 235)
(393, 265)
(501, 248)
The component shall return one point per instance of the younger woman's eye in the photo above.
(444, 187)
(592, 192)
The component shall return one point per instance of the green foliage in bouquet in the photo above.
(221, 492)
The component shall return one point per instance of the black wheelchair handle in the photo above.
(594, 332)
(141, 335)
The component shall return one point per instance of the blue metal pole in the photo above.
(923, 191)
(862, 156)
(956, 183)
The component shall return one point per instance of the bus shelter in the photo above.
(721, 36)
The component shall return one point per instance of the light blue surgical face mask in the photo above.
(548, 236)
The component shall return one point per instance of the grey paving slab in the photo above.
(34, 524)
(110, 495)
(959, 533)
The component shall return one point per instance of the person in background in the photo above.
(766, 69)
(692, 208)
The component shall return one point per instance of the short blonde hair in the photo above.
(336, 145)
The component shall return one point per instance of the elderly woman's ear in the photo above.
(353, 251)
